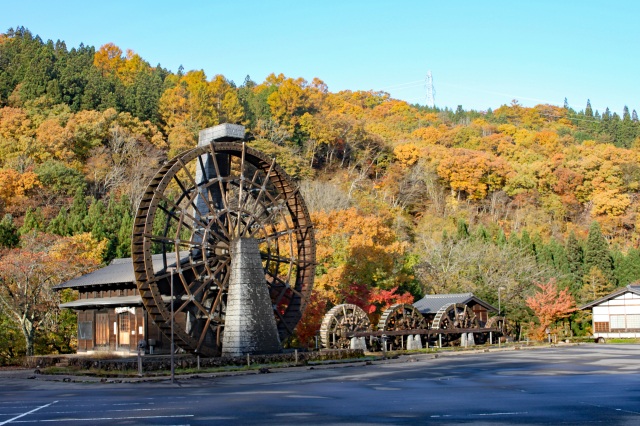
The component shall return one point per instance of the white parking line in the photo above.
(97, 419)
(515, 413)
(27, 413)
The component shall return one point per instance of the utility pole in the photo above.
(173, 349)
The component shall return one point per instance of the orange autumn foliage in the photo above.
(549, 304)
(14, 186)
(474, 172)
(360, 261)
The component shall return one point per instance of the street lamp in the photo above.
(173, 349)
(499, 301)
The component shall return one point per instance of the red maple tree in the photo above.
(549, 304)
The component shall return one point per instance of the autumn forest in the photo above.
(539, 204)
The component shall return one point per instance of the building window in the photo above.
(601, 327)
(617, 322)
(85, 330)
(125, 328)
(124, 322)
(633, 322)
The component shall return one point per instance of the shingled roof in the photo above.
(430, 304)
(633, 288)
(102, 302)
(119, 271)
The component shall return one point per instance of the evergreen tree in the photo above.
(38, 74)
(459, 114)
(626, 130)
(575, 256)
(57, 177)
(8, 232)
(482, 234)
(596, 252)
(124, 236)
(526, 244)
(77, 213)
(33, 221)
(94, 221)
(588, 111)
(59, 225)
(555, 255)
(462, 230)
(72, 69)
(142, 97)
(627, 267)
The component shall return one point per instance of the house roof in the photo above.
(107, 301)
(433, 302)
(103, 301)
(632, 288)
(119, 271)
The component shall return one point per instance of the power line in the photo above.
(409, 84)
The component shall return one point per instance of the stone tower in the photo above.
(250, 327)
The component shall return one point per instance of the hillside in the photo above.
(406, 199)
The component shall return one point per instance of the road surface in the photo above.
(571, 385)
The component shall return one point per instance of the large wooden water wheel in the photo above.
(195, 205)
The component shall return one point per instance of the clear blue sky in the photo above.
(481, 54)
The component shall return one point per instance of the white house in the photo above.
(617, 314)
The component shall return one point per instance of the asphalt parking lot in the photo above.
(585, 384)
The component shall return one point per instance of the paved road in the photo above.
(575, 385)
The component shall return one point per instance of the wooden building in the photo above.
(431, 304)
(616, 315)
(111, 316)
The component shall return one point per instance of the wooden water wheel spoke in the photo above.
(217, 224)
(263, 187)
(196, 287)
(274, 236)
(180, 214)
(194, 185)
(203, 335)
(219, 267)
(188, 194)
(280, 259)
(170, 241)
(221, 186)
(192, 218)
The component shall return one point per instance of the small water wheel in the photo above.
(399, 317)
(454, 315)
(495, 322)
(339, 323)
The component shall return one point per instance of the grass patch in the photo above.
(627, 341)
(94, 372)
